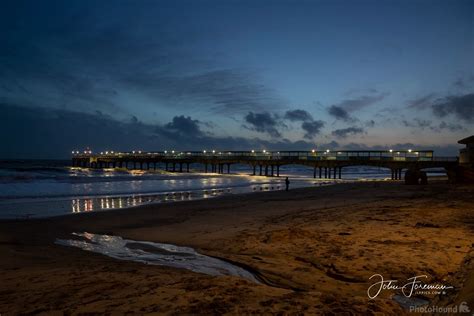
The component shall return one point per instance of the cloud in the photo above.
(298, 116)
(422, 102)
(223, 91)
(39, 129)
(344, 132)
(94, 62)
(464, 82)
(421, 124)
(370, 123)
(185, 126)
(355, 104)
(453, 127)
(462, 107)
(312, 128)
(33, 133)
(263, 123)
(417, 123)
(339, 113)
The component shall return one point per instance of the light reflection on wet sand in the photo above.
(81, 205)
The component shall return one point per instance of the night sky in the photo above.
(231, 75)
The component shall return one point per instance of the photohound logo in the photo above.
(462, 308)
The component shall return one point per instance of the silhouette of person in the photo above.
(287, 182)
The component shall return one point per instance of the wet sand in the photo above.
(315, 248)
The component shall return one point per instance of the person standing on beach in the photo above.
(287, 182)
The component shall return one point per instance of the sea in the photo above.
(46, 188)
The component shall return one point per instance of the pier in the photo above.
(325, 164)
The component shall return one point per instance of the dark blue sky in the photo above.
(161, 75)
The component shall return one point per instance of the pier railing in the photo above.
(341, 155)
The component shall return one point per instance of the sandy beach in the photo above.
(315, 248)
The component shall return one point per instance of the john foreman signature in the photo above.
(413, 285)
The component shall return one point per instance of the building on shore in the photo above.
(466, 160)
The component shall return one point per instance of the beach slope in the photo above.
(314, 250)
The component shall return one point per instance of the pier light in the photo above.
(213, 151)
(264, 151)
(253, 151)
(313, 151)
(101, 152)
(166, 151)
(391, 150)
(327, 150)
(73, 152)
(398, 153)
(139, 151)
(409, 150)
(204, 151)
(112, 152)
(416, 153)
(106, 152)
(77, 152)
(133, 152)
(172, 151)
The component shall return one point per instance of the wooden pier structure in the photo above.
(326, 164)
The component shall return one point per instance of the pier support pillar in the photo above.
(325, 172)
(228, 168)
(335, 172)
(329, 173)
(320, 172)
(278, 170)
(205, 167)
(187, 167)
(254, 169)
(314, 172)
(400, 174)
(166, 166)
(260, 169)
(180, 167)
(340, 172)
(174, 166)
(393, 174)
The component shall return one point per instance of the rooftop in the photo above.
(467, 140)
